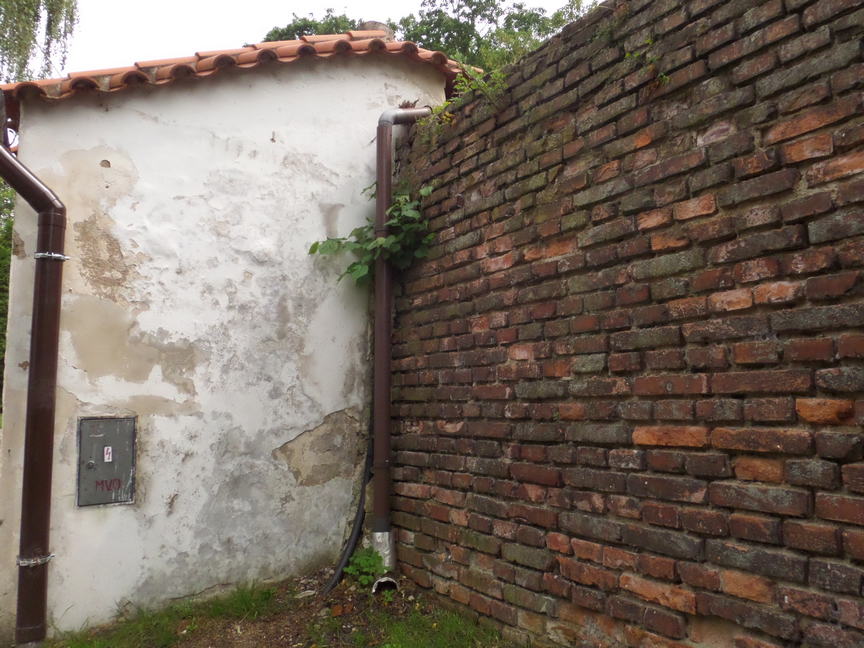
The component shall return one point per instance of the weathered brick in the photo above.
(760, 560)
(853, 477)
(812, 120)
(743, 382)
(754, 42)
(839, 445)
(805, 207)
(662, 541)
(527, 556)
(705, 522)
(749, 615)
(602, 433)
(837, 167)
(812, 537)
(826, 10)
(829, 411)
(671, 384)
(779, 440)
(809, 148)
(586, 574)
(747, 586)
(646, 338)
(724, 329)
(670, 167)
(841, 379)
(836, 58)
(810, 41)
(669, 435)
(754, 497)
(679, 489)
(591, 526)
(757, 244)
(841, 508)
(758, 469)
(813, 472)
(757, 528)
(773, 410)
(835, 576)
(676, 598)
(809, 350)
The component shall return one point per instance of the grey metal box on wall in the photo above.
(106, 461)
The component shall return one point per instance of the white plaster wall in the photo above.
(191, 303)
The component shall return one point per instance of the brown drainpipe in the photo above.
(41, 396)
(382, 536)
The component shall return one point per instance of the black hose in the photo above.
(357, 527)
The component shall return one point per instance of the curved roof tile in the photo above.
(204, 64)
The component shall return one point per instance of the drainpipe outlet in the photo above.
(384, 542)
(385, 583)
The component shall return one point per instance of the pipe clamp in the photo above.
(51, 255)
(34, 562)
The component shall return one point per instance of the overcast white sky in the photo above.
(114, 33)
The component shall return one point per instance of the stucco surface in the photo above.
(191, 303)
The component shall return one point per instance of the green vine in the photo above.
(647, 59)
(469, 82)
(408, 238)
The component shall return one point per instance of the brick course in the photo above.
(628, 379)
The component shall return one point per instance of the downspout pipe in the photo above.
(34, 554)
(383, 539)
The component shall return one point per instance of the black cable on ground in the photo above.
(357, 527)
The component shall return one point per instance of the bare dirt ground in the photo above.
(347, 617)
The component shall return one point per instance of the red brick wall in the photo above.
(629, 381)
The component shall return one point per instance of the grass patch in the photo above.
(167, 627)
(441, 629)
(278, 616)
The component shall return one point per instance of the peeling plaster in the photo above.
(325, 452)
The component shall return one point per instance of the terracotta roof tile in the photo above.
(207, 63)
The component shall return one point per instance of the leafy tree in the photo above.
(7, 202)
(34, 30)
(483, 33)
(299, 26)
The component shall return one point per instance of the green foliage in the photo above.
(162, 629)
(482, 33)
(607, 28)
(408, 238)
(366, 566)
(471, 82)
(439, 630)
(299, 26)
(34, 29)
(7, 203)
(647, 59)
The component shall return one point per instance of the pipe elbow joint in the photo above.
(396, 116)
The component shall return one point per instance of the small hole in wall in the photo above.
(105, 163)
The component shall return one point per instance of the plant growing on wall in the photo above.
(366, 566)
(408, 238)
(7, 203)
(471, 82)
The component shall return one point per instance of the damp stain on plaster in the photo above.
(107, 343)
(102, 262)
(330, 218)
(326, 452)
(18, 245)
